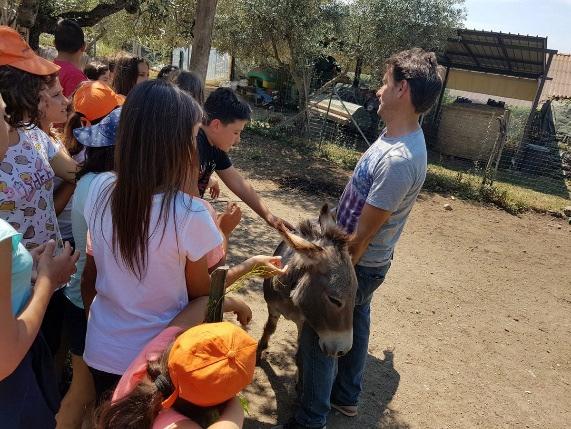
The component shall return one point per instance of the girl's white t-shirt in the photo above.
(127, 313)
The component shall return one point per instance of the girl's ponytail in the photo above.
(76, 120)
(139, 408)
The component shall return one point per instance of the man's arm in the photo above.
(243, 190)
(370, 221)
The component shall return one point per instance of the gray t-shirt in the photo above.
(388, 176)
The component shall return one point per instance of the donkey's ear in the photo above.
(326, 218)
(300, 245)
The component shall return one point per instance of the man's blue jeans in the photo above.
(339, 380)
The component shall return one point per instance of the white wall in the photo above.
(218, 63)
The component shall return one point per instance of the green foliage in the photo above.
(375, 29)
(292, 33)
(285, 32)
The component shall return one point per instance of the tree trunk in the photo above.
(26, 14)
(301, 87)
(358, 70)
(204, 22)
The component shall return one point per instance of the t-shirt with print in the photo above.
(211, 159)
(21, 268)
(127, 312)
(69, 77)
(26, 187)
(388, 176)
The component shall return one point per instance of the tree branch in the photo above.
(275, 49)
(88, 18)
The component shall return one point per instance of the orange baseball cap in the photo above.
(210, 363)
(15, 52)
(94, 100)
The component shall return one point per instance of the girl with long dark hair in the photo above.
(149, 236)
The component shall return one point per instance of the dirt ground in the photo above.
(472, 327)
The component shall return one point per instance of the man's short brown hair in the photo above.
(419, 69)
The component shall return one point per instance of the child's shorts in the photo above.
(29, 397)
(75, 325)
(63, 317)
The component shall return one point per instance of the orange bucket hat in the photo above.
(94, 100)
(210, 363)
(15, 52)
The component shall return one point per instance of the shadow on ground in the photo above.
(381, 384)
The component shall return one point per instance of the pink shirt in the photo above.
(138, 369)
(69, 77)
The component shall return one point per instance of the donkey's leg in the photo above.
(269, 329)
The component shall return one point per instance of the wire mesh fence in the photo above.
(491, 145)
(337, 113)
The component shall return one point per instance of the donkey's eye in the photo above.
(335, 301)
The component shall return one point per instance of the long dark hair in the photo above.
(155, 152)
(21, 93)
(95, 69)
(189, 82)
(97, 160)
(126, 71)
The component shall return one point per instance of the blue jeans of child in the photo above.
(325, 379)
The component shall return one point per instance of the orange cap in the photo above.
(15, 52)
(210, 363)
(94, 100)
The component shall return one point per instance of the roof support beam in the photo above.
(504, 50)
(467, 47)
(495, 45)
(486, 57)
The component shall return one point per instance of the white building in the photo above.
(219, 63)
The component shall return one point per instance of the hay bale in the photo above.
(468, 131)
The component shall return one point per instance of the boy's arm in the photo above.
(243, 190)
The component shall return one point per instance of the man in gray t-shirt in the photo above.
(374, 207)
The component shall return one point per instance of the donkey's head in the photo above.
(324, 281)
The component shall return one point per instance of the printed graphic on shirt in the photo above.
(26, 185)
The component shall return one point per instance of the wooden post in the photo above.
(527, 129)
(440, 97)
(538, 95)
(216, 297)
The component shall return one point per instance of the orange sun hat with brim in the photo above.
(15, 52)
(95, 100)
(210, 364)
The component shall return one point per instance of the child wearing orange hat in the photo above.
(33, 159)
(186, 369)
(92, 102)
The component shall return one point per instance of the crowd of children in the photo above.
(107, 246)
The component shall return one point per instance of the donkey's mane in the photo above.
(312, 231)
(309, 230)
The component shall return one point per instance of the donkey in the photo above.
(319, 287)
